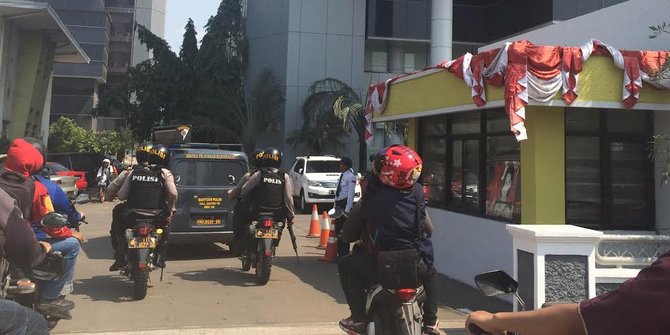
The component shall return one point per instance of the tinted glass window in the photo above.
(299, 165)
(55, 167)
(323, 166)
(207, 172)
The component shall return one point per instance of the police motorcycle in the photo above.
(264, 234)
(23, 288)
(141, 256)
(148, 216)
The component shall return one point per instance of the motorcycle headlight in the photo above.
(314, 183)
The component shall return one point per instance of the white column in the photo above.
(557, 241)
(441, 31)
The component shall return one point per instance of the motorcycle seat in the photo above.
(146, 213)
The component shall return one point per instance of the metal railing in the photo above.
(630, 250)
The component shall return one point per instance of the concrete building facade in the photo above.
(32, 37)
(363, 42)
(105, 28)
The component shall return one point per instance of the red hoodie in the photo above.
(24, 158)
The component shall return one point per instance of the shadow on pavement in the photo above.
(322, 276)
(185, 252)
(98, 248)
(224, 276)
(113, 288)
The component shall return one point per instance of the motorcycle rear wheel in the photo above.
(140, 283)
(263, 269)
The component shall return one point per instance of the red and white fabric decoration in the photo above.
(539, 72)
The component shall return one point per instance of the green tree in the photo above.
(221, 64)
(189, 46)
(200, 86)
(321, 128)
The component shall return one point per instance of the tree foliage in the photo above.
(199, 86)
(262, 110)
(321, 129)
(66, 136)
(332, 110)
(189, 47)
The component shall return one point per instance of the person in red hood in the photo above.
(25, 159)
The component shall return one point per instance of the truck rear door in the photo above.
(203, 204)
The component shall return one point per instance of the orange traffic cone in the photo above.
(325, 231)
(314, 226)
(331, 249)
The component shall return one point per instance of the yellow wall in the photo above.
(600, 81)
(543, 167)
(413, 134)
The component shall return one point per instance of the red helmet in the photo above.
(398, 166)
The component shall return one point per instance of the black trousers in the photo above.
(241, 220)
(122, 220)
(342, 247)
(358, 270)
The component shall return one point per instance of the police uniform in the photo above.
(270, 189)
(153, 190)
(344, 200)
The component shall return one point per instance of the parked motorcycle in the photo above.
(496, 283)
(261, 248)
(141, 254)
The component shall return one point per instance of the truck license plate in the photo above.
(208, 221)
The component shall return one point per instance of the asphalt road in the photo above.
(204, 291)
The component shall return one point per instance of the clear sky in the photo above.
(178, 12)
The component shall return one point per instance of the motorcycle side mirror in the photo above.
(496, 283)
(231, 179)
(83, 199)
(177, 178)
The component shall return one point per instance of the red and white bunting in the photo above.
(539, 72)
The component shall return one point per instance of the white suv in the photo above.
(314, 180)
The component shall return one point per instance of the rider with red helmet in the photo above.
(386, 219)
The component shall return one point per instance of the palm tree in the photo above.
(262, 111)
(321, 128)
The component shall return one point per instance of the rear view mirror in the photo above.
(231, 179)
(177, 178)
(496, 283)
(300, 171)
(83, 199)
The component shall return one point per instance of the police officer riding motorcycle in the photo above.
(269, 194)
(151, 195)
